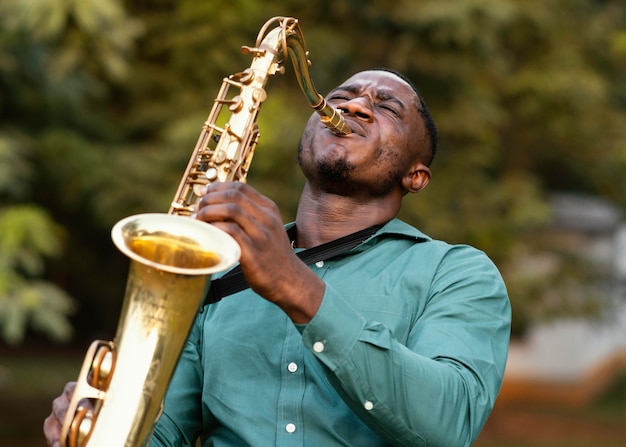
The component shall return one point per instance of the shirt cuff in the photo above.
(334, 329)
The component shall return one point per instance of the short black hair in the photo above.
(424, 111)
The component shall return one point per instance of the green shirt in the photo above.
(408, 348)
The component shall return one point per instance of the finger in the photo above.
(235, 193)
(236, 232)
(249, 212)
(52, 430)
(69, 388)
(59, 407)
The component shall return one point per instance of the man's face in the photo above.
(387, 131)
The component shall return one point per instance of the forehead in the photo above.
(383, 82)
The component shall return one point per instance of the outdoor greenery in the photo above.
(101, 102)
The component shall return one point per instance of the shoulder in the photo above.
(438, 260)
(405, 236)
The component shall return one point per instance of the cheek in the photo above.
(306, 141)
(393, 158)
(390, 147)
(311, 131)
(390, 159)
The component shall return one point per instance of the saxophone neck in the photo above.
(224, 152)
(294, 48)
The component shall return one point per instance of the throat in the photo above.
(323, 216)
(316, 228)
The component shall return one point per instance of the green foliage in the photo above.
(27, 235)
(14, 168)
(101, 103)
(76, 34)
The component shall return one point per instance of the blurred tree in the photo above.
(27, 236)
(58, 60)
(528, 97)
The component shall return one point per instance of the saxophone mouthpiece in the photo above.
(333, 119)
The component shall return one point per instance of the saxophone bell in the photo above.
(172, 260)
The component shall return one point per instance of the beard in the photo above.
(330, 173)
(334, 171)
(337, 175)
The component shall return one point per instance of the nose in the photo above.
(358, 107)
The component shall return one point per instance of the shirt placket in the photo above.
(290, 429)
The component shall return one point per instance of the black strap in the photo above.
(233, 281)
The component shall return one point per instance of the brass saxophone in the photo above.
(173, 257)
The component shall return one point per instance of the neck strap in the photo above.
(233, 281)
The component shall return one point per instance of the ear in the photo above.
(416, 178)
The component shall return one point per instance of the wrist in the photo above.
(303, 298)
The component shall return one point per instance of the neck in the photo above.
(323, 217)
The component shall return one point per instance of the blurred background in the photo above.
(101, 103)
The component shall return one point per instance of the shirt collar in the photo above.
(395, 228)
(398, 227)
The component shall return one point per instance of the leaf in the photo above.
(13, 319)
(50, 314)
(27, 235)
(39, 304)
(15, 169)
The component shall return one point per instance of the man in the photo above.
(401, 341)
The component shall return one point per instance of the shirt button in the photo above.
(318, 346)
(290, 428)
(319, 264)
(368, 405)
(292, 367)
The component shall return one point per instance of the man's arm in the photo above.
(440, 387)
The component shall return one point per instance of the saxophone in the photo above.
(173, 256)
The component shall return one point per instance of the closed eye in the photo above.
(338, 98)
(389, 108)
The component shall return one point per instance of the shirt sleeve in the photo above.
(181, 420)
(439, 388)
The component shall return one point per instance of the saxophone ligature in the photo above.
(173, 256)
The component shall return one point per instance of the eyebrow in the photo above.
(381, 94)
